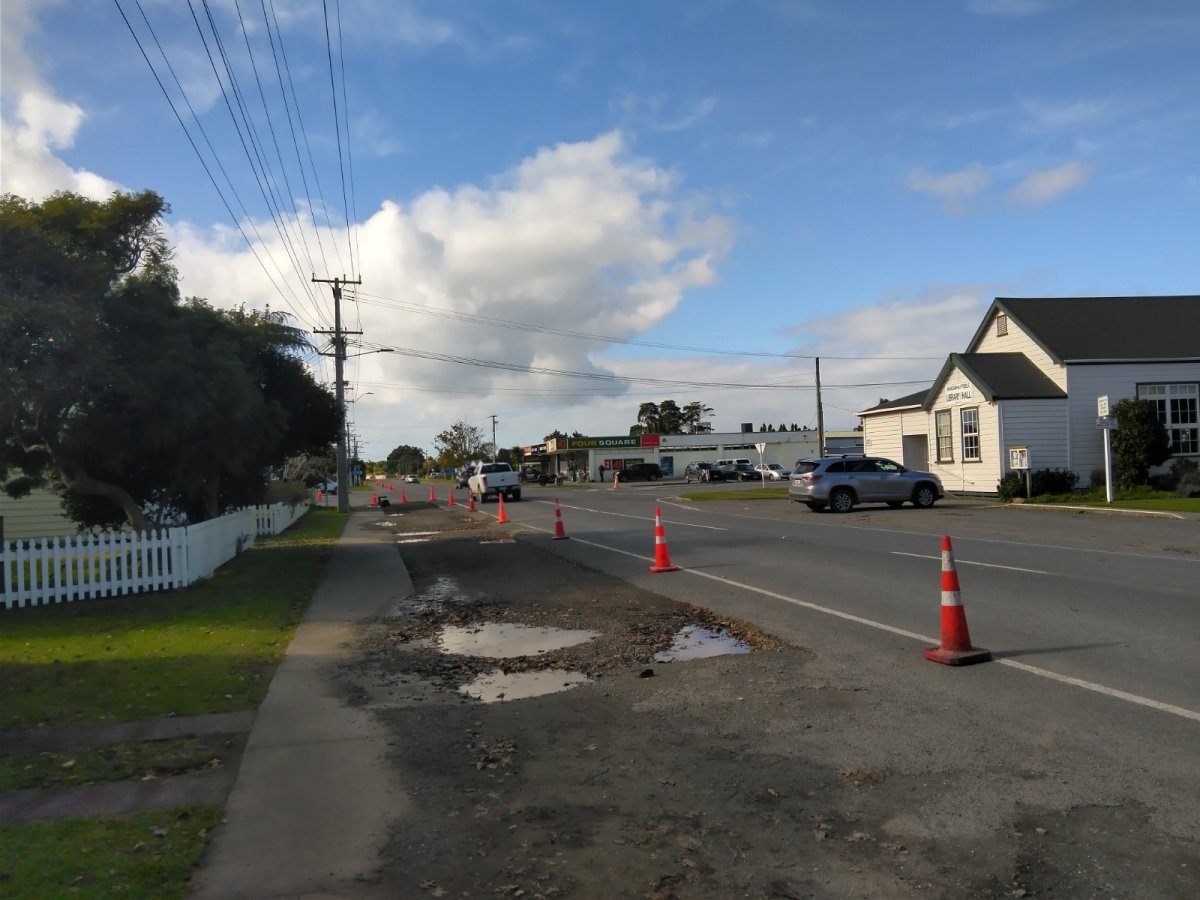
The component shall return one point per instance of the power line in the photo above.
(338, 130)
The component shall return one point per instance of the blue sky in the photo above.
(854, 180)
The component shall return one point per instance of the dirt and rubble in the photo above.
(768, 773)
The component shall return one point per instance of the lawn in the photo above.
(209, 648)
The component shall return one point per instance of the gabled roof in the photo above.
(1106, 329)
(911, 401)
(999, 376)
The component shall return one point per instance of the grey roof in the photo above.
(1006, 376)
(1078, 329)
(900, 402)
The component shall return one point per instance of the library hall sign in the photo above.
(607, 443)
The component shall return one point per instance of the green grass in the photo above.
(149, 854)
(115, 762)
(209, 648)
(760, 493)
(1138, 498)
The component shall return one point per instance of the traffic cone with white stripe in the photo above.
(955, 649)
(374, 499)
(559, 534)
(662, 559)
(501, 519)
(470, 502)
(450, 495)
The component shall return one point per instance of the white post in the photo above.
(1108, 485)
(762, 475)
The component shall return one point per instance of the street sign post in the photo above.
(1106, 424)
(760, 447)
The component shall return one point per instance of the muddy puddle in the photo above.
(498, 640)
(698, 642)
(496, 687)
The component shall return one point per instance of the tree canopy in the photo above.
(458, 444)
(405, 459)
(668, 418)
(133, 404)
(1139, 442)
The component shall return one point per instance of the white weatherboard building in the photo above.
(1030, 380)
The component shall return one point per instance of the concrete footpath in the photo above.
(313, 796)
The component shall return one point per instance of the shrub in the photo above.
(1139, 442)
(1044, 481)
(1098, 480)
(1185, 477)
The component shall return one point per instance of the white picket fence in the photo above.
(38, 571)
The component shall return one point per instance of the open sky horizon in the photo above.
(561, 211)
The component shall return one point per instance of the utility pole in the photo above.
(493, 437)
(820, 414)
(339, 358)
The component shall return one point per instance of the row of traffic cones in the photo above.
(955, 648)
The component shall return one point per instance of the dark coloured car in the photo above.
(640, 472)
(742, 472)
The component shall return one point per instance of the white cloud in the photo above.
(701, 112)
(579, 236)
(1040, 187)
(41, 124)
(1046, 116)
(954, 189)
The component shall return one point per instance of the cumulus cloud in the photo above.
(954, 189)
(36, 122)
(579, 236)
(1043, 186)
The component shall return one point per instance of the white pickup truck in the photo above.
(491, 479)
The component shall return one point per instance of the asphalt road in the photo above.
(1111, 602)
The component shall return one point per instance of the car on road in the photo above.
(640, 472)
(413, 479)
(773, 471)
(843, 482)
(329, 486)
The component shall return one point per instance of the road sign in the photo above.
(1106, 423)
(1102, 406)
(760, 447)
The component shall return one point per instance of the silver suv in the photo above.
(841, 482)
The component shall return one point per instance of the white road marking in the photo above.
(925, 639)
(604, 512)
(967, 562)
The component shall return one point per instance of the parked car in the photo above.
(329, 486)
(700, 471)
(841, 483)
(742, 472)
(640, 472)
(773, 471)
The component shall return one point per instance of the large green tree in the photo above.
(458, 444)
(406, 460)
(668, 418)
(132, 404)
(1139, 442)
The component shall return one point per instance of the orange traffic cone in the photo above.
(432, 495)
(374, 499)
(470, 502)
(559, 534)
(320, 496)
(955, 649)
(391, 487)
(501, 519)
(403, 496)
(450, 496)
(662, 559)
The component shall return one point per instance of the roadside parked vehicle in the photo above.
(841, 483)
(640, 472)
(773, 471)
(742, 472)
(697, 471)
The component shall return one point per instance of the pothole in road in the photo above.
(499, 640)
(495, 687)
(698, 642)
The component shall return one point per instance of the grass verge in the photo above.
(148, 854)
(116, 762)
(1142, 498)
(208, 648)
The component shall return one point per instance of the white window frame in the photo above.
(1178, 405)
(971, 448)
(943, 427)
